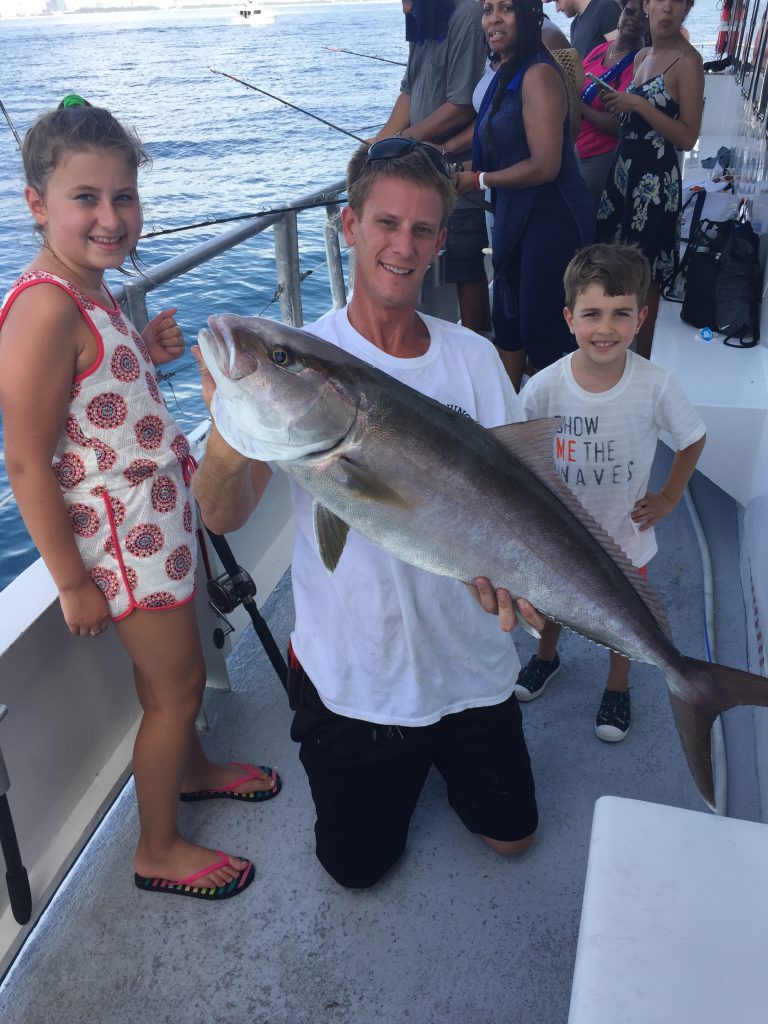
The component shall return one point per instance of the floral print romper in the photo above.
(641, 201)
(124, 467)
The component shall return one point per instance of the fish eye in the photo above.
(280, 356)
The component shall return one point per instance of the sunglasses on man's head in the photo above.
(398, 146)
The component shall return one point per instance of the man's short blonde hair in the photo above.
(414, 166)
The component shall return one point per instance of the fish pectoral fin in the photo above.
(367, 486)
(526, 626)
(330, 534)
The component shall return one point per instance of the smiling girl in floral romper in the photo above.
(101, 473)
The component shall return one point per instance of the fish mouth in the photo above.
(214, 342)
(221, 355)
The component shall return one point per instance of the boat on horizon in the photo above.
(251, 12)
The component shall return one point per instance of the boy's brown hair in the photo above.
(620, 269)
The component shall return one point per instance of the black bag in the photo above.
(721, 280)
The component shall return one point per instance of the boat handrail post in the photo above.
(333, 254)
(288, 276)
(134, 304)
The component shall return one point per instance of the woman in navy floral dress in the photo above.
(660, 113)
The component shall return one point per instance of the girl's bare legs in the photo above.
(645, 334)
(170, 674)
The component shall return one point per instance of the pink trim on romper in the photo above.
(61, 284)
(134, 605)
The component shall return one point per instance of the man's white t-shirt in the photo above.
(606, 442)
(382, 640)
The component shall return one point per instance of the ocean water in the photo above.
(217, 148)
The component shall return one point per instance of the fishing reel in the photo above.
(226, 593)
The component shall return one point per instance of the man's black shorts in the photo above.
(366, 779)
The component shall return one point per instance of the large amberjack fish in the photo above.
(437, 490)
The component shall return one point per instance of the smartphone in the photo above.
(603, 86)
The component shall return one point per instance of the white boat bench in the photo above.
(729, 388)
(673, 920)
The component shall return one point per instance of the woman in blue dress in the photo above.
(542, 210)
(660, 113)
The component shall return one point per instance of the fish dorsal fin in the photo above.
(364, 484)
(330, 534)
(531, 443)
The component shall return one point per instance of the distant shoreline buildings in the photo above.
(39, 8)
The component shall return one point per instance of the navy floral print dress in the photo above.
(641, 201)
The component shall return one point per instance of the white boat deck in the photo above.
(454, 934)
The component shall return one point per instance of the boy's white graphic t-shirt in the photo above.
(606, 442)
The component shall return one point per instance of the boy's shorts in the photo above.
(463, 259)
(366, 779)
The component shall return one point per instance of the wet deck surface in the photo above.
(454, 934)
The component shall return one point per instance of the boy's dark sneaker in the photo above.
(613, 718)
(535, 676)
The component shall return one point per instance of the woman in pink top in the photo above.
(613, 63)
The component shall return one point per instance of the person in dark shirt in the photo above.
(446, 57)
(592, 21)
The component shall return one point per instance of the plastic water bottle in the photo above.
(706, 334)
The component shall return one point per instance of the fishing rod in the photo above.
(279, 99)
(370, 56)
(10, 124)
(323, 200)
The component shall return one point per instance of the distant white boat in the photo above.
(249, 10)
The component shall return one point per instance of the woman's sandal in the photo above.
(228, 792)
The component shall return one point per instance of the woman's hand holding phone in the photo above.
(602, 86)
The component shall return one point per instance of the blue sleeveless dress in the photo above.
(536, 229)
(641, 201)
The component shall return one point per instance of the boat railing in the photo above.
(284, 220)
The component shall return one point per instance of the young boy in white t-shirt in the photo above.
(612, 405)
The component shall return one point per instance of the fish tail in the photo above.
(698, 692)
